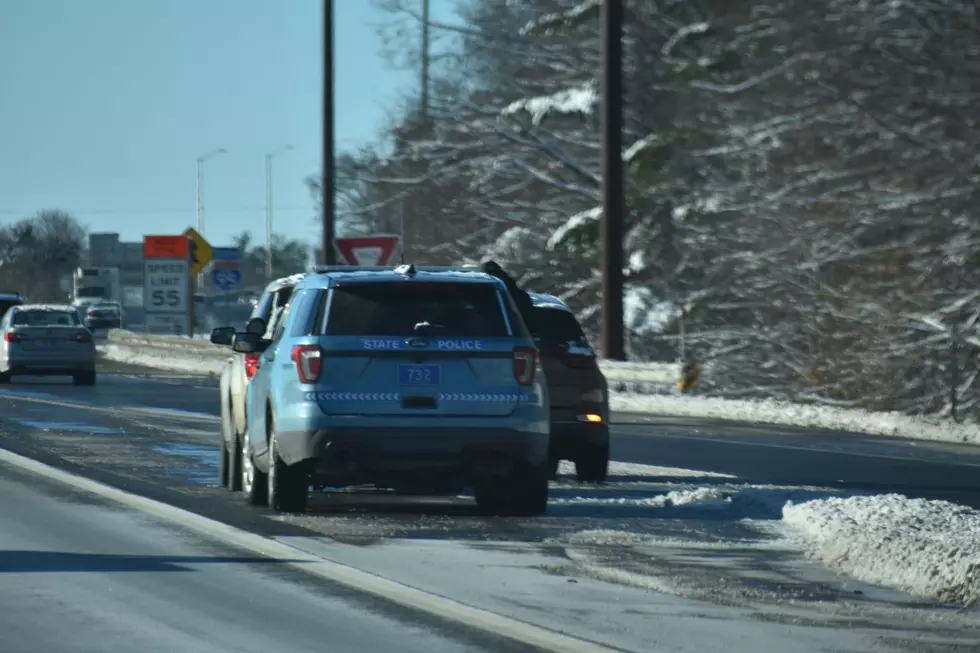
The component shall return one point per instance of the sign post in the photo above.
(377, 249)
(167, 285)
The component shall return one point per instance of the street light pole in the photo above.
(268, 208)
(200, 185)
(200, 199)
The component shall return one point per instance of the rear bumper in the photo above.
(103, 323)
(42, 367)
(569, 437)
(372, 454)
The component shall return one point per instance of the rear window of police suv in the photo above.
(466, 310)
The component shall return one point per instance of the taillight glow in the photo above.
(13, 336)
(308, 359)
(82, 337)
(251, 364)
(525, 362)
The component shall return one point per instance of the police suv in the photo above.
(423, 380)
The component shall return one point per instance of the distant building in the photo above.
(106, 250)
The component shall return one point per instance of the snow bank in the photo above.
(928, 548)
(776, 412)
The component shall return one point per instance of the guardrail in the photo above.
(180, 353)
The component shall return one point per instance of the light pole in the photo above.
(268, 208)
(200, 185)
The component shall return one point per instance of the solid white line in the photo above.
(362, 581)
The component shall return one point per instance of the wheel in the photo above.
(553, 463)
(289, 485)
(255, 484)
(223, 457)
(230, 455)
(4, 377)
(84, 378)
(592, 463)
(523, 493)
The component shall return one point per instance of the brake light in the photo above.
(308, 359)
(251, 364)
(525, 361)
(82, 337)
(13, 336)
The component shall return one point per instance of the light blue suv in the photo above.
(422, 380)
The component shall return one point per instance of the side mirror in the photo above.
(246, 343)
(223, 336)
(256, 325)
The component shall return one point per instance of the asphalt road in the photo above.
(761, 453)
(155, 435)
(79, 576)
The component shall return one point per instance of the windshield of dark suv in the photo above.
(470, 310)
(556, 329)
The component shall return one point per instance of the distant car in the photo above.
(236, 375)
(422, 380)
(46, 340)
(577, 389)
(9, 298)
(104, 315)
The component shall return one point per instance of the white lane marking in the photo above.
(356, 579)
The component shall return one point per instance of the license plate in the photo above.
(418, 374)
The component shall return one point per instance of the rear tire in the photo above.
(522, 493)
(84, 378)
(4, 378)
(289, 485)
(224, 475)
(592, 463)
(255, 483)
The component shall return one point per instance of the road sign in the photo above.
(165, 285)
(166, 247)
(225, 254)
(367, 250)
(201, 250)
(226, 278)
(170, 324)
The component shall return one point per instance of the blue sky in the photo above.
(106, 104)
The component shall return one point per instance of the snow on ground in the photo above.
(777, 412)
(928, 548)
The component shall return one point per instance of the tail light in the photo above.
(525, 361)
(251, 364)
(82, 337)
(308, 359)
(13, 336)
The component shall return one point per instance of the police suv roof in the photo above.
(328, 276)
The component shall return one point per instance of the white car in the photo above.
(237, 374)
(46, 340)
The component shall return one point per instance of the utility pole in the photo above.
(611, 229)
(424, 108)
(327, 183)
(268, 208)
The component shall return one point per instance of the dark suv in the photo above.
(8, 299)
(577, 389)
